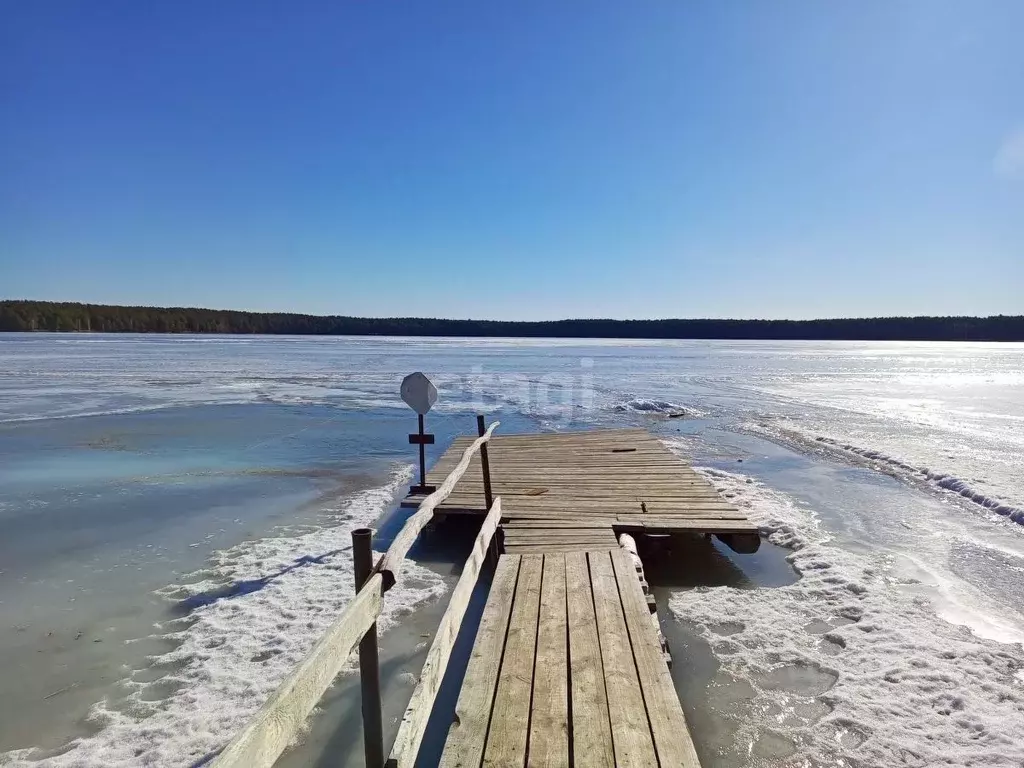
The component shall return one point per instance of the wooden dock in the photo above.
(567, 667)
(572, 491)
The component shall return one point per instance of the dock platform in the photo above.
(573, 491)
(567, 668)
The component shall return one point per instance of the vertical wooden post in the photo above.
(422, 439)
(481, 428)
(423, 456)
(369, 663)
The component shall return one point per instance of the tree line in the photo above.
(58, 316)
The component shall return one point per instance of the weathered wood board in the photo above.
(579, 679)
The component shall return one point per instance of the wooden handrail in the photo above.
(390, 565)
(414, 723)
(283, 715)
(278, 721)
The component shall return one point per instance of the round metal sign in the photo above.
(418, 393)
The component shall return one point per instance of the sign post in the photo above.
(420, 394)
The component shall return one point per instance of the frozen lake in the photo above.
(176, 512)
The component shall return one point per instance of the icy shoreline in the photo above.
(941, 481)
(848, 666)
(247, 620)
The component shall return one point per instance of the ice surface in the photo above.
(848, 665)
(902, 468)
(245, 623)
(656, 407)
(943, 480)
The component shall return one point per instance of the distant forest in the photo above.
(53, 316)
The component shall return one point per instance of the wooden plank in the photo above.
(537, 444)
(515, 513)
(622, 484)
(691, 524)
(682, 522)
(507, 738)
(611, 476)
(518, 475)
(648, 461)
(570, 523)
(552, 516)
(589, 498)
(524, 527)
(588, 451)
(595, 503)
(631, 732)
(609, 452)
(590, 456)
(668, 724)
(621, 487)
(508, 471)
(636, 434)
(611, 443)
(556, 458)
(467, 735)
(668, 505)
(625, 493)
(612, 483)
(515, 507)
(632, 435)
(580, 434)
(577, 439)
(591, 726)
(544, 547)
(549, 716)
(584, 498)
(604, 541)
(529, 526)
(414, 722)
(281, 718)
(651, 459)
(512, 473)
(638, 439)
(584, 451)
(563, 535)
(580, 447)
(587, 538)
(643, 469)
(540, 549)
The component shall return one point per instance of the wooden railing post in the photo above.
(369, 663)
(484, 462)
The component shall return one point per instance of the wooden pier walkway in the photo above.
(567, 670)
(567, 667)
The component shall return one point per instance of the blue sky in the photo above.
(524, 160)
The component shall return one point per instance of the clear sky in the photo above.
(516, 160)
